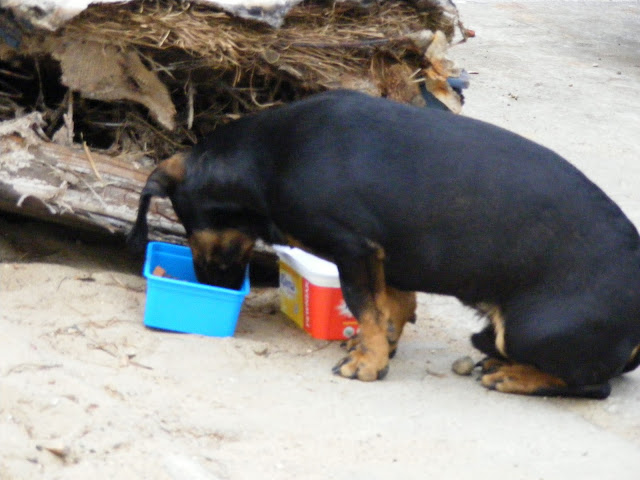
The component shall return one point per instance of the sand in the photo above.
(86, 391)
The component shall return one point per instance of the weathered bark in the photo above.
(73, 186)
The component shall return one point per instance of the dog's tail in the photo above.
(160, 183)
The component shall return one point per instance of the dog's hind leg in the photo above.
(491, 340)
(364, 289)
(485, 341)
(402, 309)
(557, 349)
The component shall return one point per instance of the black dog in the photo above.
(405, 199)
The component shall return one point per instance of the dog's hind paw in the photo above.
(507, 377)
(517, 378)
(491, 364)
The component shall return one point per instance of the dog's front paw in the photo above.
(352, 344)
(357, 365)
(368, 356)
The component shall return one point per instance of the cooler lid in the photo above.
(318, 271)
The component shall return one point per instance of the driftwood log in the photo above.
(74, 186)
(121, 86)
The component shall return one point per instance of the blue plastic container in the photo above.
(181, 304)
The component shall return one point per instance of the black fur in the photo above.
(460, 207)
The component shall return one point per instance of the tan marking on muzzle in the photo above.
(207, 244)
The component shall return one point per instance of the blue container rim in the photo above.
(182, 251)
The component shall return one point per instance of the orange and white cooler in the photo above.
(310, 295)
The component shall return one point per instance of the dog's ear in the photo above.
(161, 183)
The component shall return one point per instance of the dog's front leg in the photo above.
(363, 286)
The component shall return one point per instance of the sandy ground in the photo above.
(87, 392)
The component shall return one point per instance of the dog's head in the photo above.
(220, 230)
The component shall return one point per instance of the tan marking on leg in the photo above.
(368, 360)
(402, 309)
(521, 379)
(369, 356)
(174, 166)
(294, 242)
(633, 361)
(494, 313)
(379, 251)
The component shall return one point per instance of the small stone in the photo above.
(463, 366)
(261, 352)
(59, 450)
